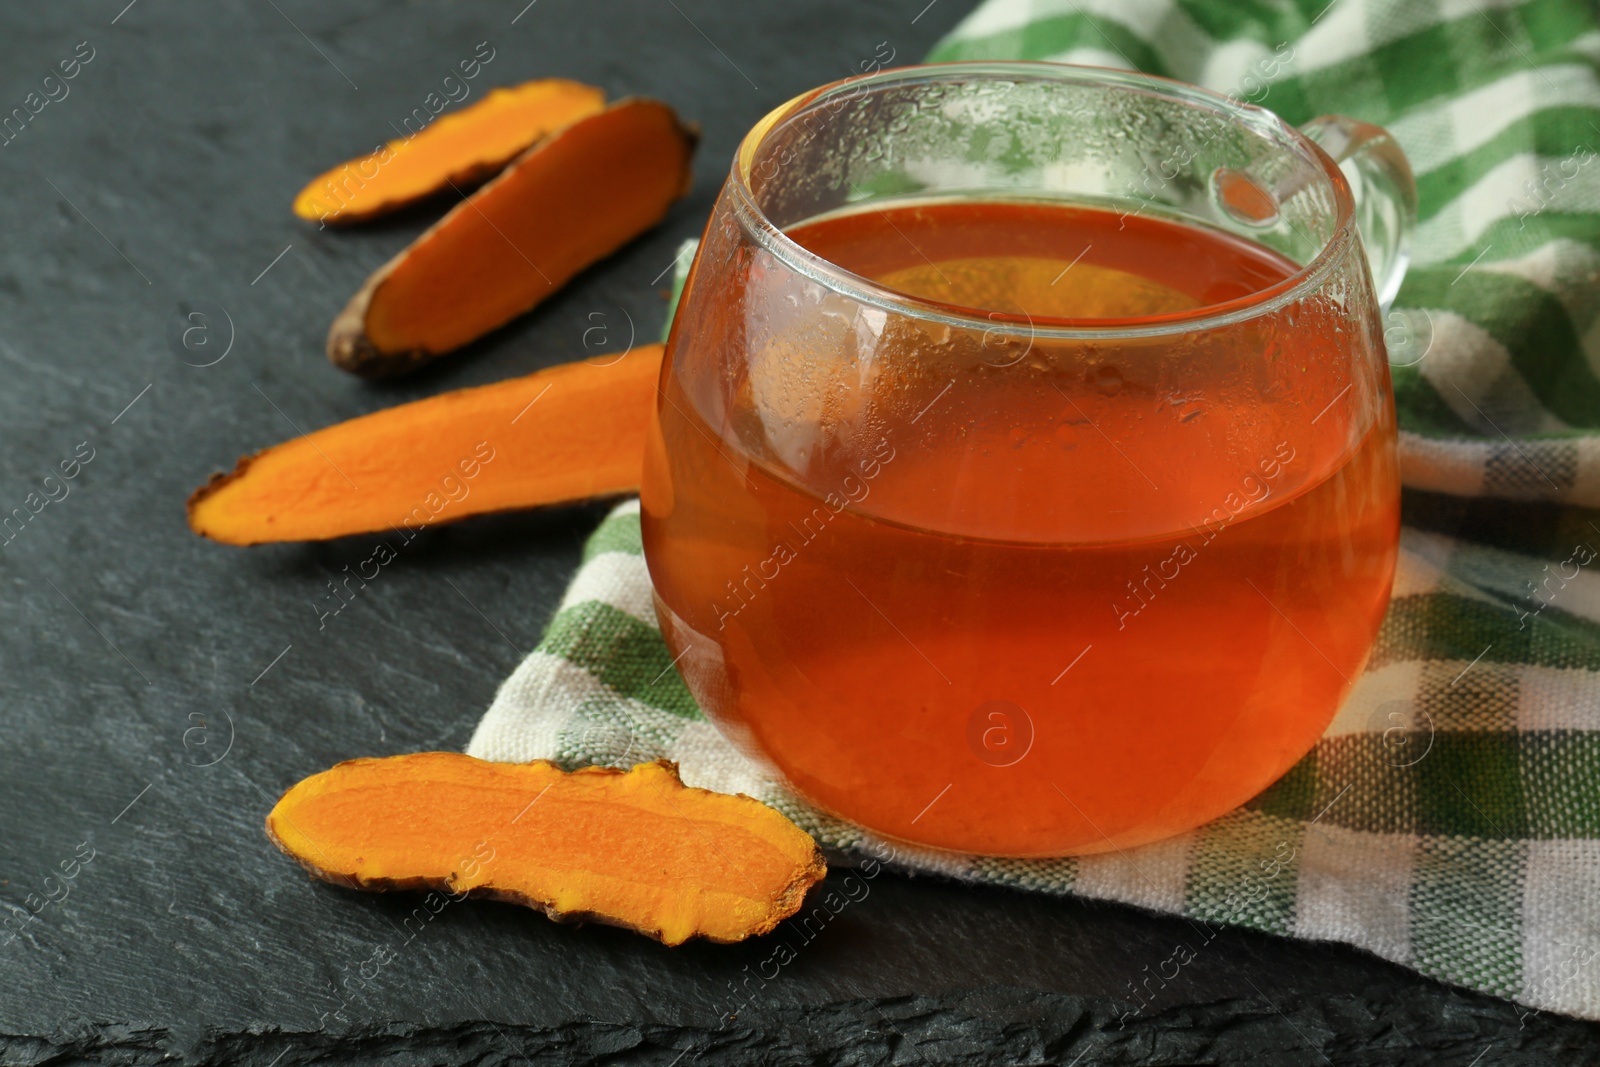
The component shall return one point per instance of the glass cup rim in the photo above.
(1304, 281)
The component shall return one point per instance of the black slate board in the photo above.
(157, 692)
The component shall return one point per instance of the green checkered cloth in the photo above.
(1449, 820)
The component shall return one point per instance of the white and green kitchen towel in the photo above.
(1449, 819)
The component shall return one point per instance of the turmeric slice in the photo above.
(572, 199)
(636, 849)
(461, 148)
(565, 433)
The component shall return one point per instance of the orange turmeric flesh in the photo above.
(566, 433)
(460, 148)
(636, 849)
(572, 199)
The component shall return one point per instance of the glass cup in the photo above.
(986, 573)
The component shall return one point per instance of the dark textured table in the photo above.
(158, 692)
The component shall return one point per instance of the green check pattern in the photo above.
(1449, 819)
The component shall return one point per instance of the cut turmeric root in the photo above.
(637, 849)
(566, 433)
(463, 147)
(572, 199)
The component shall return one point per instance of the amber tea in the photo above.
(1060, 608)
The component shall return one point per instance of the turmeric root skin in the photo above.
(635, 849)
(566, 433)
(569, 201)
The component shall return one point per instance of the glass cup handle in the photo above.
(1384, 190)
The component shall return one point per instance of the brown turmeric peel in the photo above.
(566, 433)
(572, 199)
(636, 849)
(458, 149)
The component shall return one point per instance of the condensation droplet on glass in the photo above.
(1242, 198)
(1107, 379)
